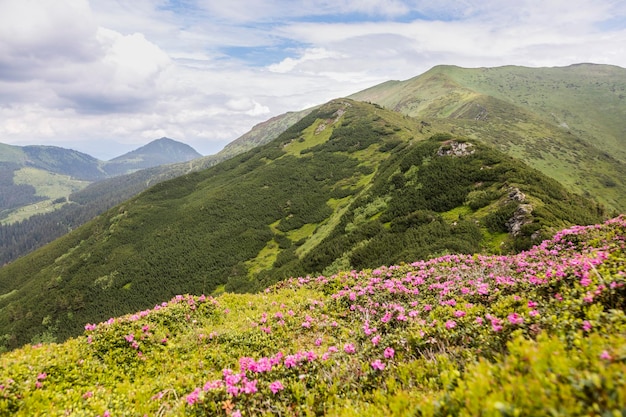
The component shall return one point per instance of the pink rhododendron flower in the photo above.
(459, 313)
(450, 324)
(515, 318)
(376, 340)
(586, 325)
(349, 348)
(193, 397)
(276, 386)
(249, 387)
(378, 365)
(605, 355)
(389, 352)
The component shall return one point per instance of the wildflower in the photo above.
(236, 413)
(375, 340)
(378, 365)
(42, 376)
(389, 352)
(249, 387)
(88, 394)
(193, 397)
(515, 318)
(459, 313)
(318, 341)
(586, 325)
(213, 385)
(276, 386)
(89, 327)
(290, 361)
(605, 355)
(450, 324)
(349, 348)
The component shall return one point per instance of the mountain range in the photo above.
(38, 178)
(410, 170)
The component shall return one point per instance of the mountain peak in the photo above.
(160, 151)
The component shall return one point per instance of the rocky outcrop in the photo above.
(521, 216)
(455, 148)
(523, 213)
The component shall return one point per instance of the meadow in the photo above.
(541, 332)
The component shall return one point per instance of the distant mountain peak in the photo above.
(160, 151)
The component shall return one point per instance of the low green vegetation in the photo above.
(375, 191)
(566, 122)
(542, 332)
(53, 190)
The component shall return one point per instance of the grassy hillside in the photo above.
(53, 189)
(350, 185)
(566, 122)
(538, 333)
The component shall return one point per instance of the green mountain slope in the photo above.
(570, 122)
(538, 333)
(34, 207)
(349, 185)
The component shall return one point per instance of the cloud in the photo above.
(308, 55)
(111, 74)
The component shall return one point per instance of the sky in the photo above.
(107, 76)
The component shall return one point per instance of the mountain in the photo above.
(567, 122)
(350, 185)
(533, 334)
(86, 202)
(39, 179)
(158, 152)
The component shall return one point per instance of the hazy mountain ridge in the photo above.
(349, 185)
(67, 170)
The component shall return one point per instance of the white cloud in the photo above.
(111, 74)
(311, 54)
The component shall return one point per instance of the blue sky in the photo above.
(107, 76)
